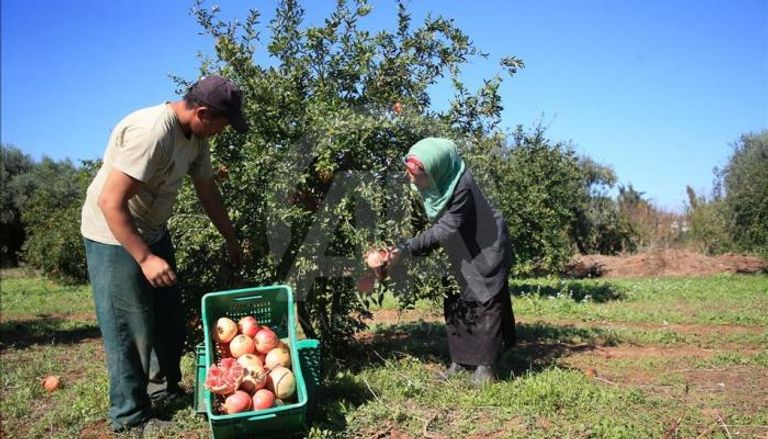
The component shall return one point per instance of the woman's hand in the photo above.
(394, 255)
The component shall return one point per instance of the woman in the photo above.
(479, 321)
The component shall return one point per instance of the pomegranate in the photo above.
(225, 330)
(251, 361)
(325, 176)
(279, 356)
(241, 345)
(51, 383)
(222, 174)
(365, 284)
(374, 259)
(254, 379)
(266, 340)
(225, 377)
(237, 402)
(223, 350)
(281, 382)
(248, 326)
(263, 399)
(377, 260)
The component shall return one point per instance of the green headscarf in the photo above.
(444, 167)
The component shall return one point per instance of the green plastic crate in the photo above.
(309, 357)
(272, 306)
(201, 369)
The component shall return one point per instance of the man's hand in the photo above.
(158, 272)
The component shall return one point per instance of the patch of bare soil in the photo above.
(393, 316)
(96, 430)
(680, 328)
(664, 262)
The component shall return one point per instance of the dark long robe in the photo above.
(480, 322)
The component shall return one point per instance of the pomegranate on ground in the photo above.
(51, 383)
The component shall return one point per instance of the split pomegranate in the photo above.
(237, 402)
(225, 330)
(248, 325)
(279, 356)
(281, 382)
(266, 340)
(224, 378)
(263, 399)
(241, 345)
(51, 383)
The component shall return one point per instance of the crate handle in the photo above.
(249, 297)
(262, 417)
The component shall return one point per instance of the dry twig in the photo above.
(426, 424)
(722, 424)
(605, 380)
(371, 390)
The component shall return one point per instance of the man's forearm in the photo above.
(123, 228)
(211, 200)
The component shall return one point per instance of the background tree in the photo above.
(50, 197)
(12, 235)
(598, 226)
(707, 228)
(538, 186)
(745, 183)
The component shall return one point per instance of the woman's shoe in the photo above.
(483, 375)
(453, 369)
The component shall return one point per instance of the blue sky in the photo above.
(657, 90)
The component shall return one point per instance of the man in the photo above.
(131, 263)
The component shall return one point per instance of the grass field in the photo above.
(674, 357)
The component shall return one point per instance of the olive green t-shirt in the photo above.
(150, 146)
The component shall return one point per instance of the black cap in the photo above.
(223, 95)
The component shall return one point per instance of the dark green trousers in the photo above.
(142, 328)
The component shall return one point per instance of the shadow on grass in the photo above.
(539, 345)
(45, 330)
(579, 291)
